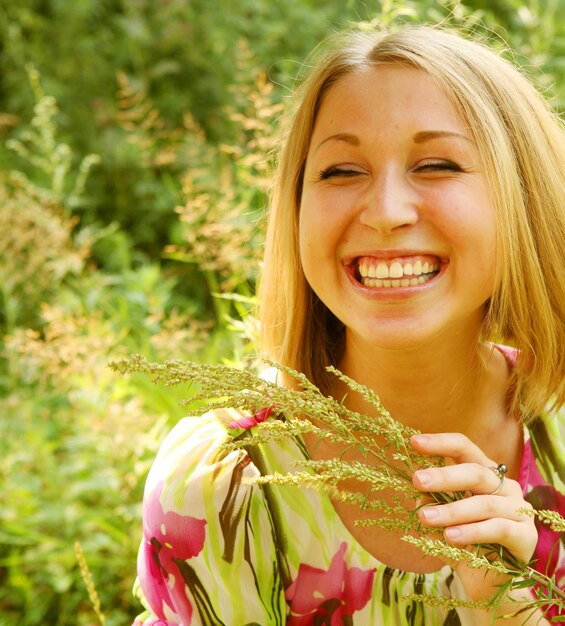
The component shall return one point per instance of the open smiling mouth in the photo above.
(398, 272)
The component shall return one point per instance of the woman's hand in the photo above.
(490, 513)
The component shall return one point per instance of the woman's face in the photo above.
(397, 229)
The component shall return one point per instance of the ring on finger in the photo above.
(500, 471)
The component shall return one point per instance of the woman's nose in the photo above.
(390, 203)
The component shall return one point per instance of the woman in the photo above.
(417, 224)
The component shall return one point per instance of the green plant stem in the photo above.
(545, 582)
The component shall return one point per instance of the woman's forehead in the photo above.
(395, 94)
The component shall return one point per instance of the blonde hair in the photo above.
(522, 147)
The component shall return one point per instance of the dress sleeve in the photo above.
(542, 478)
(208, 555)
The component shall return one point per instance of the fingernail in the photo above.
(424, 477)
(422, 439)
(430, 513)
(452, 533)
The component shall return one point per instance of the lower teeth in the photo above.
(398, 282)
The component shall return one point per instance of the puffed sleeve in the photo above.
(208, 553)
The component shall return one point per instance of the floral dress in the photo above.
(217, 549)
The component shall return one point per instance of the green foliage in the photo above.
(134, 169)
(181, 56)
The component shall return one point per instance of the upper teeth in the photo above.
(396, 269)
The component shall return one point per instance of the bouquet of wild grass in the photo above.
(386, 466)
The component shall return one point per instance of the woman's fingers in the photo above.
(472, 477)
(485, 519)
(490, 512)
(495, 530)
(473, 509)
(518, 539)
(453, 445)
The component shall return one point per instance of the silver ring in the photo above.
(500, 471)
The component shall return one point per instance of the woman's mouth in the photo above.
(397, 272)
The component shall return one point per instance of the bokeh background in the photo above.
(135, 158)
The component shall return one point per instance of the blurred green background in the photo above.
(134, 165)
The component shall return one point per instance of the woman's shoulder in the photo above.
(201, 543)
(197, 450)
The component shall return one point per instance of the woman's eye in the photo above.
(335, 172)
(439, 166)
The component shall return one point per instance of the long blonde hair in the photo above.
(522, 147)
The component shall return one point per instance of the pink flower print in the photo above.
(168, 538)
(247, 422)
(328, 597)
(546, 554)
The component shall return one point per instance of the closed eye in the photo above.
(438, 166)
(334, 172)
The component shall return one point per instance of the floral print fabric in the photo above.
(219, 550)
(334, 594)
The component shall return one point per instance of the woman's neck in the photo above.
(454, 386)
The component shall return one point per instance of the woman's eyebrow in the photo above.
(347, 137)
(428, 135)
(420, 137)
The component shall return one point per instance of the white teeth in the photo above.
(397, 282)
(395, 270)
(382, 270)
(396, 275)
(373, 282)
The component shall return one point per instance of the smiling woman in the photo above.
(415, 242)
(517, 146)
